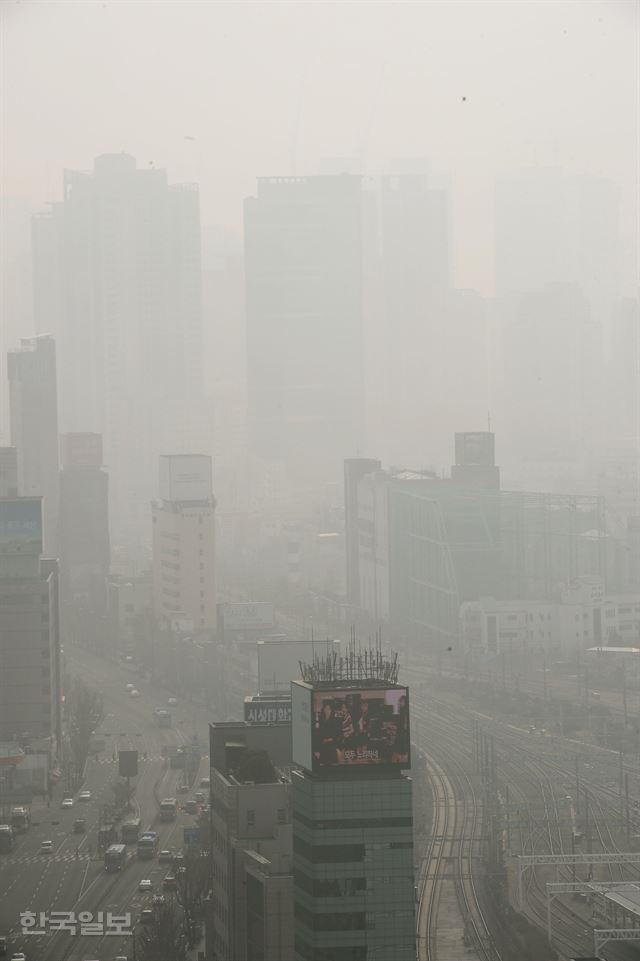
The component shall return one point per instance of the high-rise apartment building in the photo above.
(184, 543)
(117, 279)
(303, 270)
(33, 414)
(84, 532)
(353, 862)
(552, 379)
(415, 270)
(29, 634)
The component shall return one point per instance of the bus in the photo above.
(107, 834)
(7, 838)
(20, 820)
(162, 718)
(115, 857)
(147, 845)
(130, 831)
(168, 809)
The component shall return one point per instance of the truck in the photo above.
(7, 838)
(168, 809)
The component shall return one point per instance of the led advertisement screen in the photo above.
(360, 727)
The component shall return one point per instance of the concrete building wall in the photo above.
(249, 822)
(184, 562)
(28, 637)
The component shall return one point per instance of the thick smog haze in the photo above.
(220, 93)
(319, 481)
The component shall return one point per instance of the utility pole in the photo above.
(577, 786)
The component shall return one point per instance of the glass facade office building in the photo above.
(352, 831)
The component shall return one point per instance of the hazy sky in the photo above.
(270, 88)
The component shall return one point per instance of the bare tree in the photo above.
(192, 888)
(162, 939)
(85, 714)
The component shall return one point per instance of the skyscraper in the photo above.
(33, 414)
(303, 262)
(416, 276)
(84, 534)
(117, 279)
(353, 870)
(184, 587)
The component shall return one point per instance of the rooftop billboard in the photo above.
(185, 478)
(351, 727)
(246, 615)
(475, 448)
(21, 525)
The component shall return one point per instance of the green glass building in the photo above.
(353, 861)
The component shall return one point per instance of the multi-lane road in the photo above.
(71, 878)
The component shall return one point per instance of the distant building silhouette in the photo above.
(117, 280)
(558, 227)
(303, 249)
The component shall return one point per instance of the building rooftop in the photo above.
(629, 899)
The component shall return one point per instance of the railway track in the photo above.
(454, 844)
(538, 780)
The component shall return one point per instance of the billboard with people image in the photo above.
(360, 727)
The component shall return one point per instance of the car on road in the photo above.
(67, 802)
(20, 956)
(130, 687)
(134, 693)
(46, 847)
(146, 884)
(121, 957)
(205, 782)
(84, 796)
(165, 855)
(191, 806)
(183, 789)
(199, 797)
(79, 825)
(146, 916)
(172, 701)
(169, 883)
(3, 946)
